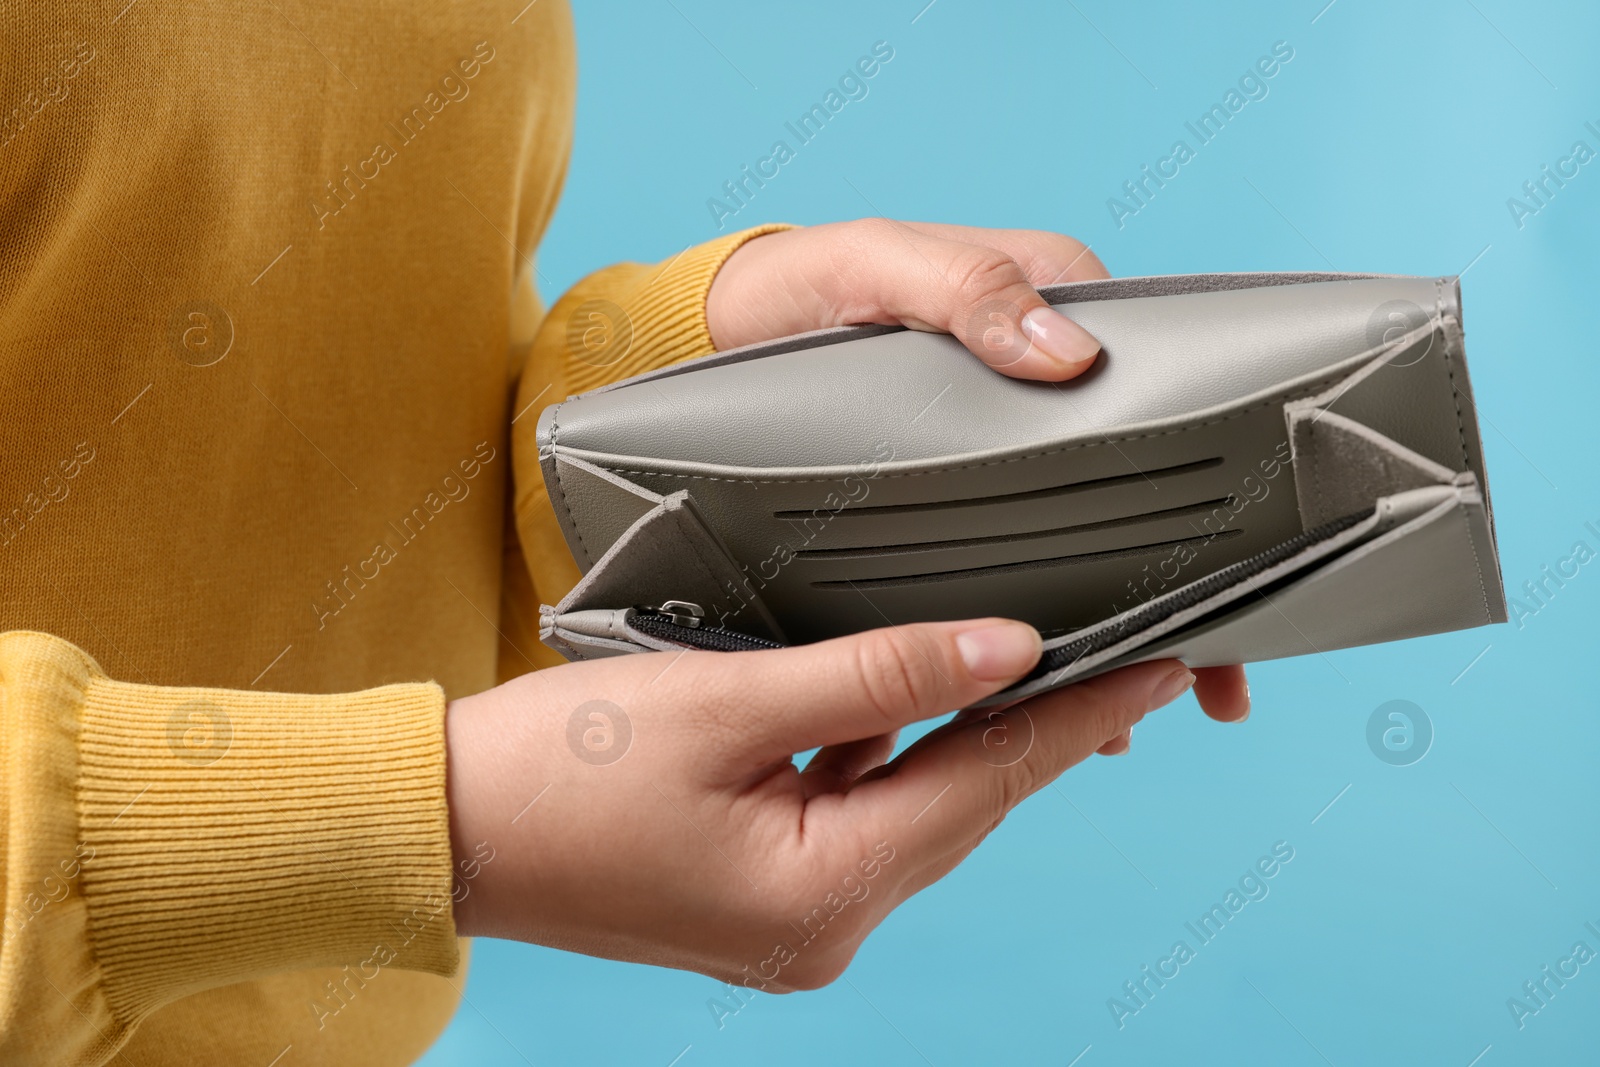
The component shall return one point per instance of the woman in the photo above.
(273, 358)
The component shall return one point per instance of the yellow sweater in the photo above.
(271, 363)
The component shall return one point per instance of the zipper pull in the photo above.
(684, 623)
(682, 612)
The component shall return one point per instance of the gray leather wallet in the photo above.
(1259, 465)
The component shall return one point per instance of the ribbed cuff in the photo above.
(238, 834)
(663, 316)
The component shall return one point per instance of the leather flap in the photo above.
(1423, 578)
(668, 553)
(594, 506)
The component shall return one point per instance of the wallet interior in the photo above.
(1103, 541)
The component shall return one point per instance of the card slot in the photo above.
(1022, 565)
(1065, 536)
(1048, 493)
(1254, 588)
(1411, 393)
(1341, 465)
(1127, 503)
(1131, 522)
(1348, 600)
(1121, 499)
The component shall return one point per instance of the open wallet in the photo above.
(1258, 465)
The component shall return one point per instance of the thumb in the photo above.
(866, 684)
(983, 296)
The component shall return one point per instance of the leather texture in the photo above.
(863, 476)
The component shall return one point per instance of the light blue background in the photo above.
(1422, 899)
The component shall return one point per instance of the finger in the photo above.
(1118, 745)
(942, 866)
(941, 796)
(974, 291)
(1046, 258)
(850, 688)
(1223, 692)
(835, 768)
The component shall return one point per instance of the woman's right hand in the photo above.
(646, 807)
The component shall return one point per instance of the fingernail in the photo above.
(1171, 688)
(999, 651)
(1059, 338)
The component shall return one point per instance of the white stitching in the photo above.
(1477, 564)
(561, 490)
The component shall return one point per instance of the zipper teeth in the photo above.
(710, 638)
(717, 639)
(1194, 593)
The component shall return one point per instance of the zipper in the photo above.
(685, 627)
(1151, 614)
(683, 623)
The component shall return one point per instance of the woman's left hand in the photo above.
(979, 285)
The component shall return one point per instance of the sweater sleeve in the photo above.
(617, 322)
(160, 841)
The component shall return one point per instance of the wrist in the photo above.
(761, 291)
(500, 759)
(464, 783)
